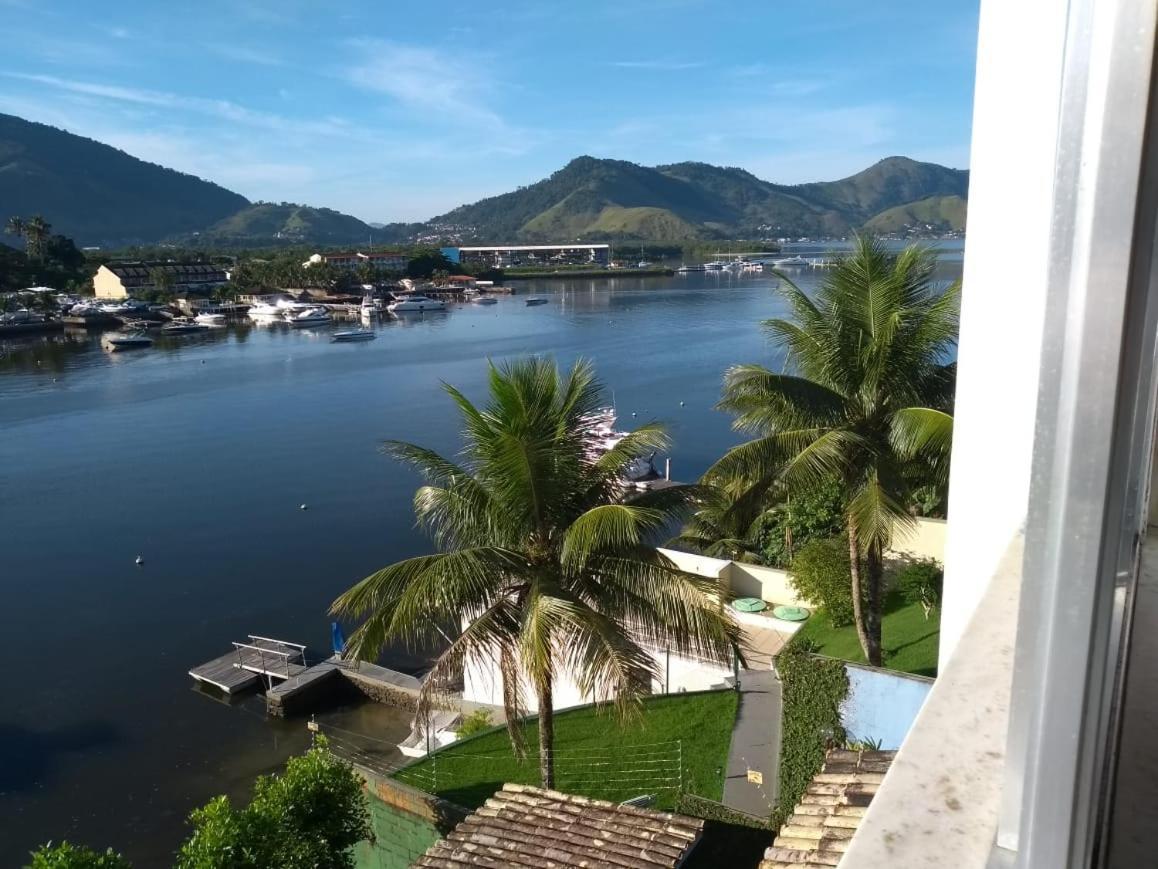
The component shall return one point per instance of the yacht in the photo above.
(265, 309)
(209, 319)
(126, 341)
(349, 335)
(308, 317)
(715, 265)
(369, 306)
(415, 303)
(182, 326)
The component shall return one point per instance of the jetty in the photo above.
(292, 684)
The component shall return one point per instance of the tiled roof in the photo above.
(522, 826)
(819, 831)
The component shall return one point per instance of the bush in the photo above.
(803, 516)
(309, 817)
(69, 856)
(813, 689)
(820, 572)
(476, 722)
(920, 582)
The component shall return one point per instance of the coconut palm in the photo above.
(35, 232)
(864, 399)
(545, 566)
(724, 526)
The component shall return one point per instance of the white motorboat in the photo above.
(308, 317)
(791, 262)
(209, 319)
(715, 265)
(265, 309)
(485, 300)
(115, 341)
(415, 303)
(354, 335)
(536, 300)
(183, 326)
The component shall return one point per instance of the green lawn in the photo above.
(597, 756)
(909, 641)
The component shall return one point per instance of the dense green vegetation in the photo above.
(616, 200)
(820, 573)
(538, 544)
(940, 212)
(813, 689)
(865, 401)
(909, 641)
(97, 194)
(590, 743)
(48, 259)
(288, 223)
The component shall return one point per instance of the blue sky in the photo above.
(400, 111)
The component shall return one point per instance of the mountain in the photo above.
(269, 223)
(613, 199)
(97, 194)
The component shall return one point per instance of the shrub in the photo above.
(476, 722)
(69, 856)
(820, 572)
(920, 582)
(803, 516)
(309, 817)
(813, 689)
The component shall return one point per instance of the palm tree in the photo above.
(724, 526)
(864, 397)
(35, 232)
(545, 565)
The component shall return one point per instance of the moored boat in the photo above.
(536, 300)
(415, 303)
(308, 317)
(349, 335)
(115, 341)
(183, 326)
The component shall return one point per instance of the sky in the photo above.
(404, 110)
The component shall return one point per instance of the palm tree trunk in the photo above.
(874, 567)
(863, 619)
(546, 733)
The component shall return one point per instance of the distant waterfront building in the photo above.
(386, 261)
(125, 279)
(531, 255)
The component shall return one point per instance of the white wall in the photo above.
(1003, 296)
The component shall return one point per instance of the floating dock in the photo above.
(260, 659)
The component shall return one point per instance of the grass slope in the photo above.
(596, 755)
(266, 221)
(910, 642)
(943, 212)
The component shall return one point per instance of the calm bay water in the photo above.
(197, 454)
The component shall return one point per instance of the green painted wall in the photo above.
(400, 838)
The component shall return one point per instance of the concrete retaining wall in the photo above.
(405, 822)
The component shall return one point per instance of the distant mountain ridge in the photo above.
(613, 199)
(102, 196)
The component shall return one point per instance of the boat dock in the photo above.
(250, 663)
(291, 683)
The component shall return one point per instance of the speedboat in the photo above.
(485, 300)
(210, 319)
(416, 303)
(265, 309)
(355, 335)
(308, 317)
(715, 265)
(182, 326)
(792, 262)
(126, 341)
(536, 300)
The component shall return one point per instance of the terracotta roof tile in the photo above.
(820, 829)
(522, 826)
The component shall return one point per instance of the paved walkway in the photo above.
(755, 745)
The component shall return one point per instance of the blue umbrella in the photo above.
(338, 638)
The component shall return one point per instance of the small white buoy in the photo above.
(633, 413)
(681, 404)
(139, 560)
(305, 507)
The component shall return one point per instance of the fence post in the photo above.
(680, 749)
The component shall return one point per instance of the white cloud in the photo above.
(427, 81)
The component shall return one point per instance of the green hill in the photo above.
(97, 194)
(937, 212)
(613, 199)
(269, 223)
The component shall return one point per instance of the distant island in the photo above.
(103, 197)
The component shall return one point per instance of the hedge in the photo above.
(813, 689)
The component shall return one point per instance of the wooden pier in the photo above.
(260, 659)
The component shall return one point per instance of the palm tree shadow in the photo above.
(27, 757)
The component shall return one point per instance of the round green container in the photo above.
(791, 613)
(749, 605)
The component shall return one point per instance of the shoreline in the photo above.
(590, 273)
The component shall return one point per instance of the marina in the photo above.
(218, 438)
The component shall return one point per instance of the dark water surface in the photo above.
(196, 455)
